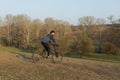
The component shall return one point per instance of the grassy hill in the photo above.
(17, 65)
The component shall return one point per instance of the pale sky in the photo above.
(67, 10)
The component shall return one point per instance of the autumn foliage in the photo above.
(22, 32)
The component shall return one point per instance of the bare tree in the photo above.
(49, 23)
(9, 22)
(101, 24)
(87, 25)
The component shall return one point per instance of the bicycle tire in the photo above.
(37, 57)
(57, 58)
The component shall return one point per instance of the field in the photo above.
(17, 65)
(97, 57)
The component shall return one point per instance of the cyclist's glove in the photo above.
(55, 44)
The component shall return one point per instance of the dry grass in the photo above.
(18, 66)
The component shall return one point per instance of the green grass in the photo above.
(103, 57)
(99, 57)
(9, 49)
(13, 49)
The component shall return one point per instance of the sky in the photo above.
(66, 10)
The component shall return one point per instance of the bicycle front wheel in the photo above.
(57, 57)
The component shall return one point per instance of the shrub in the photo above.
(110, 48)
(4, 41)
(82, 44)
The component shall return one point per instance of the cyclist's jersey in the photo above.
(48, 38)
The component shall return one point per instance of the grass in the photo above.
(19, 67)
(103, 57)
(9, 49)
(96, 56)
(13, 49)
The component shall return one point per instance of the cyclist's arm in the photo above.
(53, 40)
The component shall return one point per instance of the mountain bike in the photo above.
(55, 56)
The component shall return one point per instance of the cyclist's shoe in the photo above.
(47, 57)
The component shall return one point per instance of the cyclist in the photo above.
(47, 40)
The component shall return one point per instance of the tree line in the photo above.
(91, 35)
(22, 32)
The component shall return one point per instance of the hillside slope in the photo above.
(19, 66)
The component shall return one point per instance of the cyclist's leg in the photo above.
(47, 48)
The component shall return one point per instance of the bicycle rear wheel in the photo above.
(37, 57)
(57, 57)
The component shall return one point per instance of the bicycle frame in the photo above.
(55, 55)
